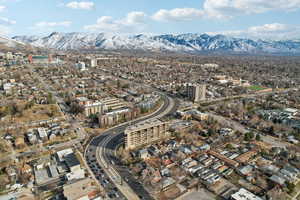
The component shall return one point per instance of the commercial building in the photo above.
(72, 162)
(61, 154)
(196, 92)
(39, 59)
(145, 133)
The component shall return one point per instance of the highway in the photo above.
(100, 155)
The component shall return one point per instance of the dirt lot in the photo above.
(36, 113)
(202, 194)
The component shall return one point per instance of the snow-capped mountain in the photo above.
(4, 41)
(175, 43)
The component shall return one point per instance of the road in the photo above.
(103, 149)
(277, 91)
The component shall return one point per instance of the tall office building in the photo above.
(196, 92)
(145, 133)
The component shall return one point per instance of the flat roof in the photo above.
(144, 125)
(244, 194)
(71, 160)
(40, 57)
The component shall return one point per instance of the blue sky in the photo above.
(271, 19)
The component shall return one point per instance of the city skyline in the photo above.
(251, 18)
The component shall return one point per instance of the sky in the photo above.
(265, 19)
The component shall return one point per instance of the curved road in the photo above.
(100, 155)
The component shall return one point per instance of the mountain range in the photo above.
(8, 44)
(192, 43)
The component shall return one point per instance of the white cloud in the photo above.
(133, 20)
(2, 8)
(275, 31)
(83, 5)
(178, 14)
(46, 27)
(6, 21)
(225, 9)
(5, 1)
(4, 30)
(230, 8)
(5, 24)
(53, 24)
(275, 27)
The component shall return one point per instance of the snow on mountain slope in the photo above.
(174, 43)
(7, 42)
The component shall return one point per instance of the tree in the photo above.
(229, 146)
(249, 136)
(290, 187)
(125, 86)
(29, 105)
(50, 99)
(210, 131)
(144, 110)
(94, 118)
(257, 137)
(76, 108)
(118, 83)
(271, 130)
(12, 109)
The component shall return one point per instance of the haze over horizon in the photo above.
(277, 19)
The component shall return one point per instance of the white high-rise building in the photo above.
(196, 92)
(145, 133)
(80, 66)
(93, 62)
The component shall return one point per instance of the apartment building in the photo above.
(101, 106)
(117, 116)
(113, 104)
(145, 133)
(94, 108)
(90, 62)
(196, 92)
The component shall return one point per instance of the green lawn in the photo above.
(256, 87)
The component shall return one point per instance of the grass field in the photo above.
(256, 88)
(36, 113)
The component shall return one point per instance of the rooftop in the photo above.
(145, 125)
(244, 194)
(71, 160)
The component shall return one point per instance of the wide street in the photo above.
(101, 153)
